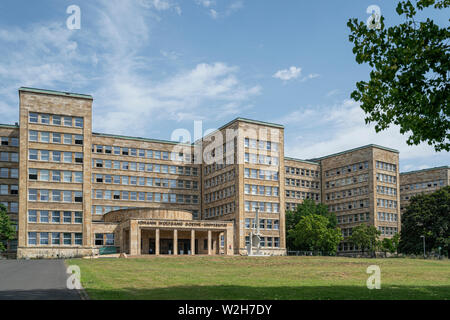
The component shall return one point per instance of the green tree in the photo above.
(7, 231)
(429, 215)
(387, 245)
(313, 233)
(409, 84)
(308, 207)
(365, 237)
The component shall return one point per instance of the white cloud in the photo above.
(315, 132)
(288, 74)
(213, 13)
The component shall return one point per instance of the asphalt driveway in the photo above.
(34, 280)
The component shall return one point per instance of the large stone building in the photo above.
(74, 192)
(422, 181)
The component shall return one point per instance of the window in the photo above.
(79, 122)
(32, 216)
(99, 239)
(79, 139)
(44, 238)
(68, 121)
(32, 195)
(78, 177)
(43, 195)
(109, 239)
(78, 239)
(32, 154)
(56, 138)
(33, 117)
(32, 236)
(78, 196)
(56, 176)
(78, 217)
(45, 155)
(56, 217)
(45, 137)
(67, 196)
(56, 120)
(67, 239)
(67, 217)
(78, 157)
(33, 136)
(67, 139)
(56, 238)
(43, 175)
(43, 217)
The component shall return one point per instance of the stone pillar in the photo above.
(157, 242)
(134, 238)
(225, 243)
(139, 242)
(209, 242)
(192, 242)
(175, 242)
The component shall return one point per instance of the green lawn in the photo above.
(204, 277)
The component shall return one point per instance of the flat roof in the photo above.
(13, 126)
(428, 169)
(56, 93)
(355, 149)
(300, 160)
(106, 135)
(264, 123)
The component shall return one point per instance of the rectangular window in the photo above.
(43, 217)
(45, 119)
(67, 157)
(56, 238)
(43, 238)
(78, 239)
(79, 122)
(67, 121)
(56, 217)
(32, 238)
(67, 238)
(32, 154)
(56, 120)
(33, 117)
(33, 136)
(99, 239)
(32, 216)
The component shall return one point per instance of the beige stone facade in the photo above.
(361, 187)
(74, 192)
(422, 181)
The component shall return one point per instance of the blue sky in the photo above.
(157, 65)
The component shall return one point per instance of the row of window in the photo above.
(259, 190)
(261, 174)
(104, 239)
(386, 166)
(55, 156)
(347, 169)
(100, 210)
(384, 203)
(302, 183)
(148, 182)
(7, 141)
(347, 181)
(349, 205)
(55, 238)
(9, 173)
(9, 189)
(261, 144)
(264, 224)
(220, 194)
(303, 172)
(141, 153)
(269, 207)
(147, 167)
(56, 120)
(351, 218)
(387, 190)
(260, 159)
(347, 193)
(388, 231)
(266, 242)
(423, 185)
(54, 217)
(55, 175)
(54, 137)
(387, 216)
(220, 210)
(144, 196)
(302, 195)
(220, 179)
(386, 178)
(55, 196)
(9, 156)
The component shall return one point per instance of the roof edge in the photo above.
(427, 169)
(355, 149)
(56, 93)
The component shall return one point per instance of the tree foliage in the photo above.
(365, 237)
(409, 84)
(7, 231)
(308, 207)
(312, 233)
(428, 215)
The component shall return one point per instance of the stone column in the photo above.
(175, 242)
(225, 243)
(209, 242)
(192, 242)
(157, 242)
(134, 238)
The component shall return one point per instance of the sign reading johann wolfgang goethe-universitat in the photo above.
(183, 224)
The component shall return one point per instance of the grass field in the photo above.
(204, 277)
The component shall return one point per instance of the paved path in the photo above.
(34, 280)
